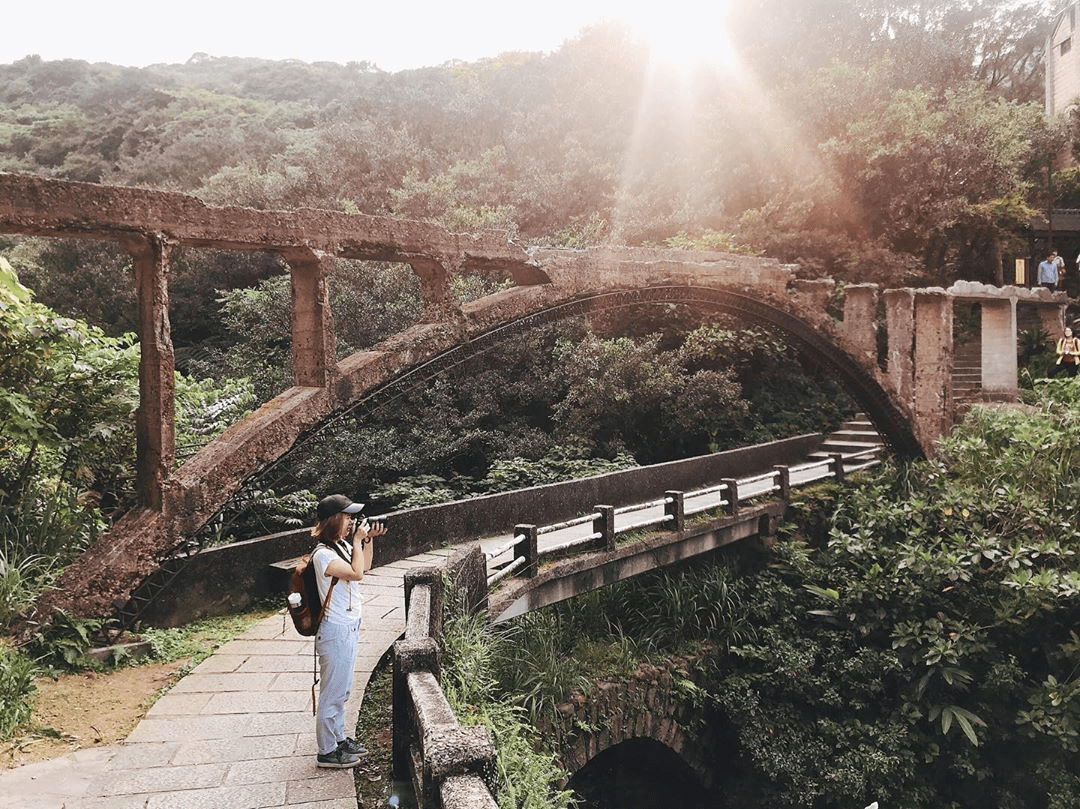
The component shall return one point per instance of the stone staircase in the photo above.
(856, 435)
(967, 371)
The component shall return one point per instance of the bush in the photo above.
(17, 673)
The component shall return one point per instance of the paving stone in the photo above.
(267, 647)
(270, 724)
(165, 779)
(215, 683)
(181, 704)
(219, 663)
(269, 629)
(290, 681)
(277, 663)
(178, 728)
(252, 796)
(328, 784)
(242, 749)
(139, 756)
(98, 802)
(272, 770)
(249, 702)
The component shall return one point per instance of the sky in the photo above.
(393, 34)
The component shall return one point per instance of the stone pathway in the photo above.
(235, 733)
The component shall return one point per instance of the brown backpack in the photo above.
(302, 581)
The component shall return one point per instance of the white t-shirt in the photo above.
(344, 606)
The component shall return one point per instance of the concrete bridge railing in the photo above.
(450, 766)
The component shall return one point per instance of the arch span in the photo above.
(640, 715)
(196, 492)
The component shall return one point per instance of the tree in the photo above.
(938, 176)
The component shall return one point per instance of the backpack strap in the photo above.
(315, 654)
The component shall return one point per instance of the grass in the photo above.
(374, 729)
(198, 640)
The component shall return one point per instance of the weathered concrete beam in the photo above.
(39, 206)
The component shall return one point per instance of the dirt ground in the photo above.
(88, 709)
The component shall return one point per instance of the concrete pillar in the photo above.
(155, 426)
(815, 294)
(859, 329)
(1051, 319)
(999, 366)
(313, 341)
(783, 480)
(900, 327)
(439, 302)
(933, 359)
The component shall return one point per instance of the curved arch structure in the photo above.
(550, 284)
(645, 707)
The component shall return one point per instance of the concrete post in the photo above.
(155, 426)
(999, 365)
(933, 360)
(313, 340)
(440, 305)
(732, 497)
(527, 547)
(604, 525)
(675, 507)
(836, 464)
(860, 321)
(783, 474)
(432, 578)
(899, 326)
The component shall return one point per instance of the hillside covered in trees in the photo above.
(879, 139)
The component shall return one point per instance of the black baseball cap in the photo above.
(336, 504)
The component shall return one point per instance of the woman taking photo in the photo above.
(341, 559)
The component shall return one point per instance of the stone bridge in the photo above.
(905, 389)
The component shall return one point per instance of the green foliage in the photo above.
(538, 665)
(65, 640)
(527, 774)
(17, 673)
(205, 409)
(709, 240)
(198, 640)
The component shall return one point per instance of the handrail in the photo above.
(547, 529)
(448, 763)
(640, 506)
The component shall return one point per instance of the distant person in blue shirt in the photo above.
(1048, 272)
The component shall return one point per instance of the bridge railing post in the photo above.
(732, 487)
(783, 474)
(837, 466)
(675, 508)
(604, 525)
(527, 547)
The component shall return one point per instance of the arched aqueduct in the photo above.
(907, 392)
